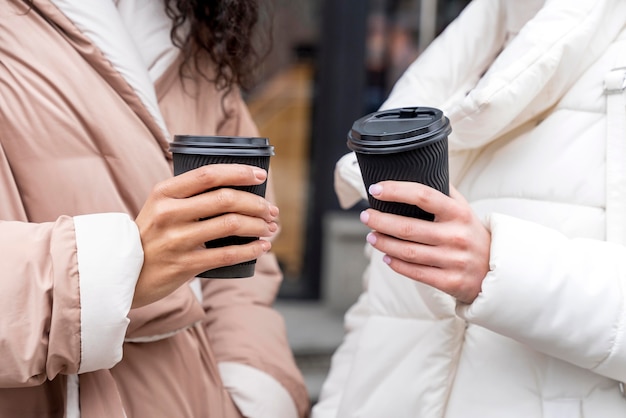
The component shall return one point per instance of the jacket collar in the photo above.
(133, 35)
(534, 70)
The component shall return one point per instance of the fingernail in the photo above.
(375, 189)
(259, 173)
(364, 216)
(386, 259)
(371, 238)
(273, 227)
(274, 211)
(266, 245)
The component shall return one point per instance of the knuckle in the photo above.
(406, 230)
(225, 197)
(408, 252)
(204, 174)
(466, 291)
(231, 223)
(230, 256)
(422, 195)
(255, 251)
(161, 214)
(461, 242)
(455, 270)
(453, 277)
(160, 189)
(460, 263)
(176, 238)
(417, 274)
(262, 204)
(227, 257)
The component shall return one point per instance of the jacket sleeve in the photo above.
(66, 289)
(564, 297)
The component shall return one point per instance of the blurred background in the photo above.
(331, 62)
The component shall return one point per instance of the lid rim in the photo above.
(400, 124)
(221, 145)
(392, 147)
(252, 152)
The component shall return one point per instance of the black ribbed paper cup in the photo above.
(193, 151)
(405, 144)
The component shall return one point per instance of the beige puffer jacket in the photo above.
(89, 97)
(538, 148)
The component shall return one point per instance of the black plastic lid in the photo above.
(221, 145)
(397, 130)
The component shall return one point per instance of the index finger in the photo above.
(211, 176)
(412, 193)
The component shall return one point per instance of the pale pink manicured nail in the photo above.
(259, 173)
(371, 238)
(387, 259)
(375, 189)
(364, 217)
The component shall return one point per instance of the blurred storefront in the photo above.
(332, 62)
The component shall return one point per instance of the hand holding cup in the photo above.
(450, 253)
(425, 234)
(173, 236)
(192, 151)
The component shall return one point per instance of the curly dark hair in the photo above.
(222, 30)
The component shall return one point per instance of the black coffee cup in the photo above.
(193, 151)
(405, 144)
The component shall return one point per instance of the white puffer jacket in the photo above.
(526, 86)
